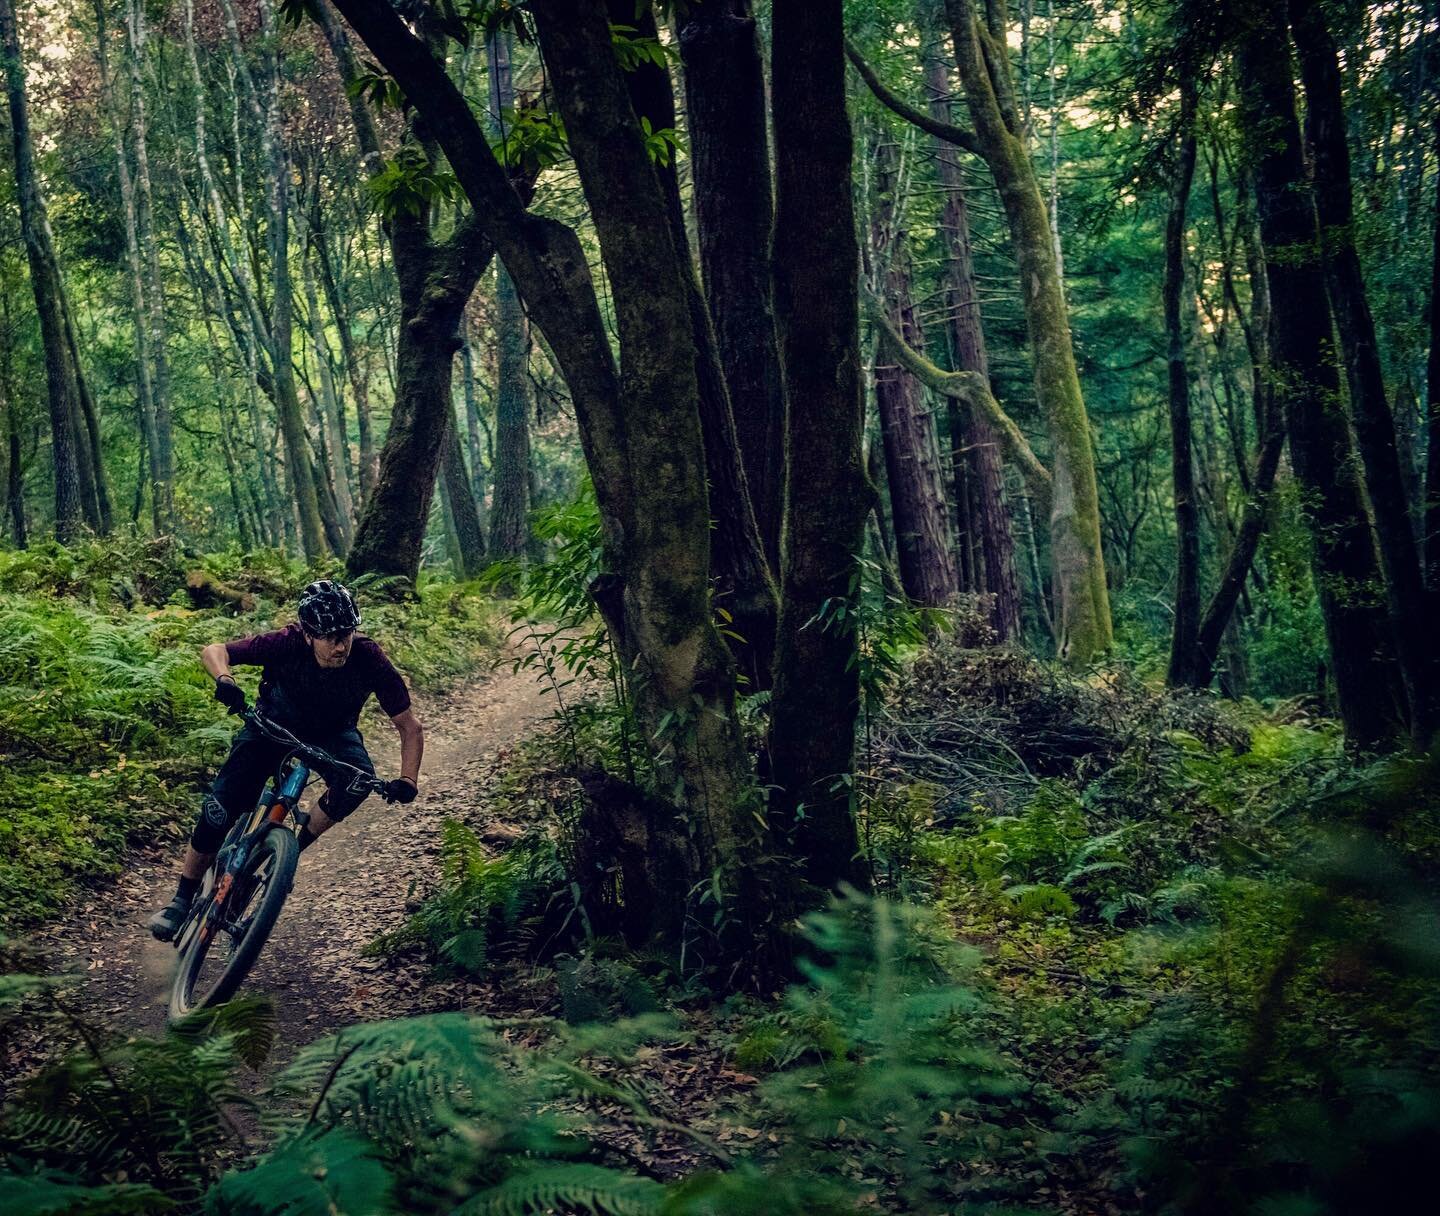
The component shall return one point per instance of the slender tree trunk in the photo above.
(977, 470)
(460, 500)
(14, 470)
(45, 285)
(1431, 514)
(472, 422)
(144, 382)
(730, 164)
(1304, 377)
(89, 453)
(816, 698)
(1182, 466)
(158, 338)
(1385, 481)
(332, 420)
(355, 369)
(924, 543)
(1082, 601)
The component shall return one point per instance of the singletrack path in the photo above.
(359, 880)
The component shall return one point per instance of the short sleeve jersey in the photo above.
(315, 701)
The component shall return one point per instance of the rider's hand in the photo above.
(230, 695)
(402, 789)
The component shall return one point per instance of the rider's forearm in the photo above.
(216, 659)
(412, 747)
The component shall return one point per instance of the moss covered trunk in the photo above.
(1082, 600)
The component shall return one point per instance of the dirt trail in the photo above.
(352, 885)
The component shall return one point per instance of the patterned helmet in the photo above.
(327, 607)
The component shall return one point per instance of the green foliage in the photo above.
(532, 137)
(409, 184)
(484, 905)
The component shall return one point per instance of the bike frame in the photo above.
(279, 799)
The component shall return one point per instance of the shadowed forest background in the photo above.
(967, 477)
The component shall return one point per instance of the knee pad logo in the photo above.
(214, 812)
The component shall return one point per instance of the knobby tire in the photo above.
(281, 851)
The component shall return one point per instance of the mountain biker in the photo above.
(317, 675)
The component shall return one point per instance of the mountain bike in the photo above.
(247, 884)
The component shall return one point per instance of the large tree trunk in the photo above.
(685, 681)
(641, 433)
(472, 421)
(89, 453)
(986, 539)
(734, 212)
(1082, 602)
(46, 287)
(817, 698)
(1304, 376)
(744, 584)
(923, 541)
(1385, 481)
(1182, 466)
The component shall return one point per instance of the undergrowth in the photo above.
(107, 723)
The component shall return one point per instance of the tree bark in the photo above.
(977, 472)
(45, 285)
(923, 539)
(460, 499)
(163, 474)
(510, 516)
(816, 697)
(744, 585)
(1385, 481)
(1431, 513)
(472, 421)
(1304, 377)
(734, 214)
(1082, 602)
(1182, 467)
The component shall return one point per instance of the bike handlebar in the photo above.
(361, 782)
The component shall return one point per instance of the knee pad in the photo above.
(210, 828)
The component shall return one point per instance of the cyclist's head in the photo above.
(329, 618)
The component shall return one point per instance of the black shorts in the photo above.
(253, 758)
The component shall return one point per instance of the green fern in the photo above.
(571, 1187)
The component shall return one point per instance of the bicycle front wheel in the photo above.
(220, 952)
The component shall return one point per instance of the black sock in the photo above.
(307, 838)
(186, 888)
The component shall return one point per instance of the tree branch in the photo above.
(969, 387)
(950, 133)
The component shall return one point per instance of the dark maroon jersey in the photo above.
(315, 701)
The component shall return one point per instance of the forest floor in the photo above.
(360, 880)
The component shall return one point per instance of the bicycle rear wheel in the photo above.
(214, 964)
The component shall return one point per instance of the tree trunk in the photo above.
(355, 369)
(1385, 481)
(460, 500)
(1182, 466)
(744, 584)
(163, 472)
(45, 285)
(923, 541)
(729, 159)
(1082, 602)
(510, 514)
(89, 453)
(1431, 514)
(977, 470)
(144, 382)
(472, 422)
(816, 697)
(14, 471)
(1304, 377)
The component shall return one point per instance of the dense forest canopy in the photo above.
(855, 402)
